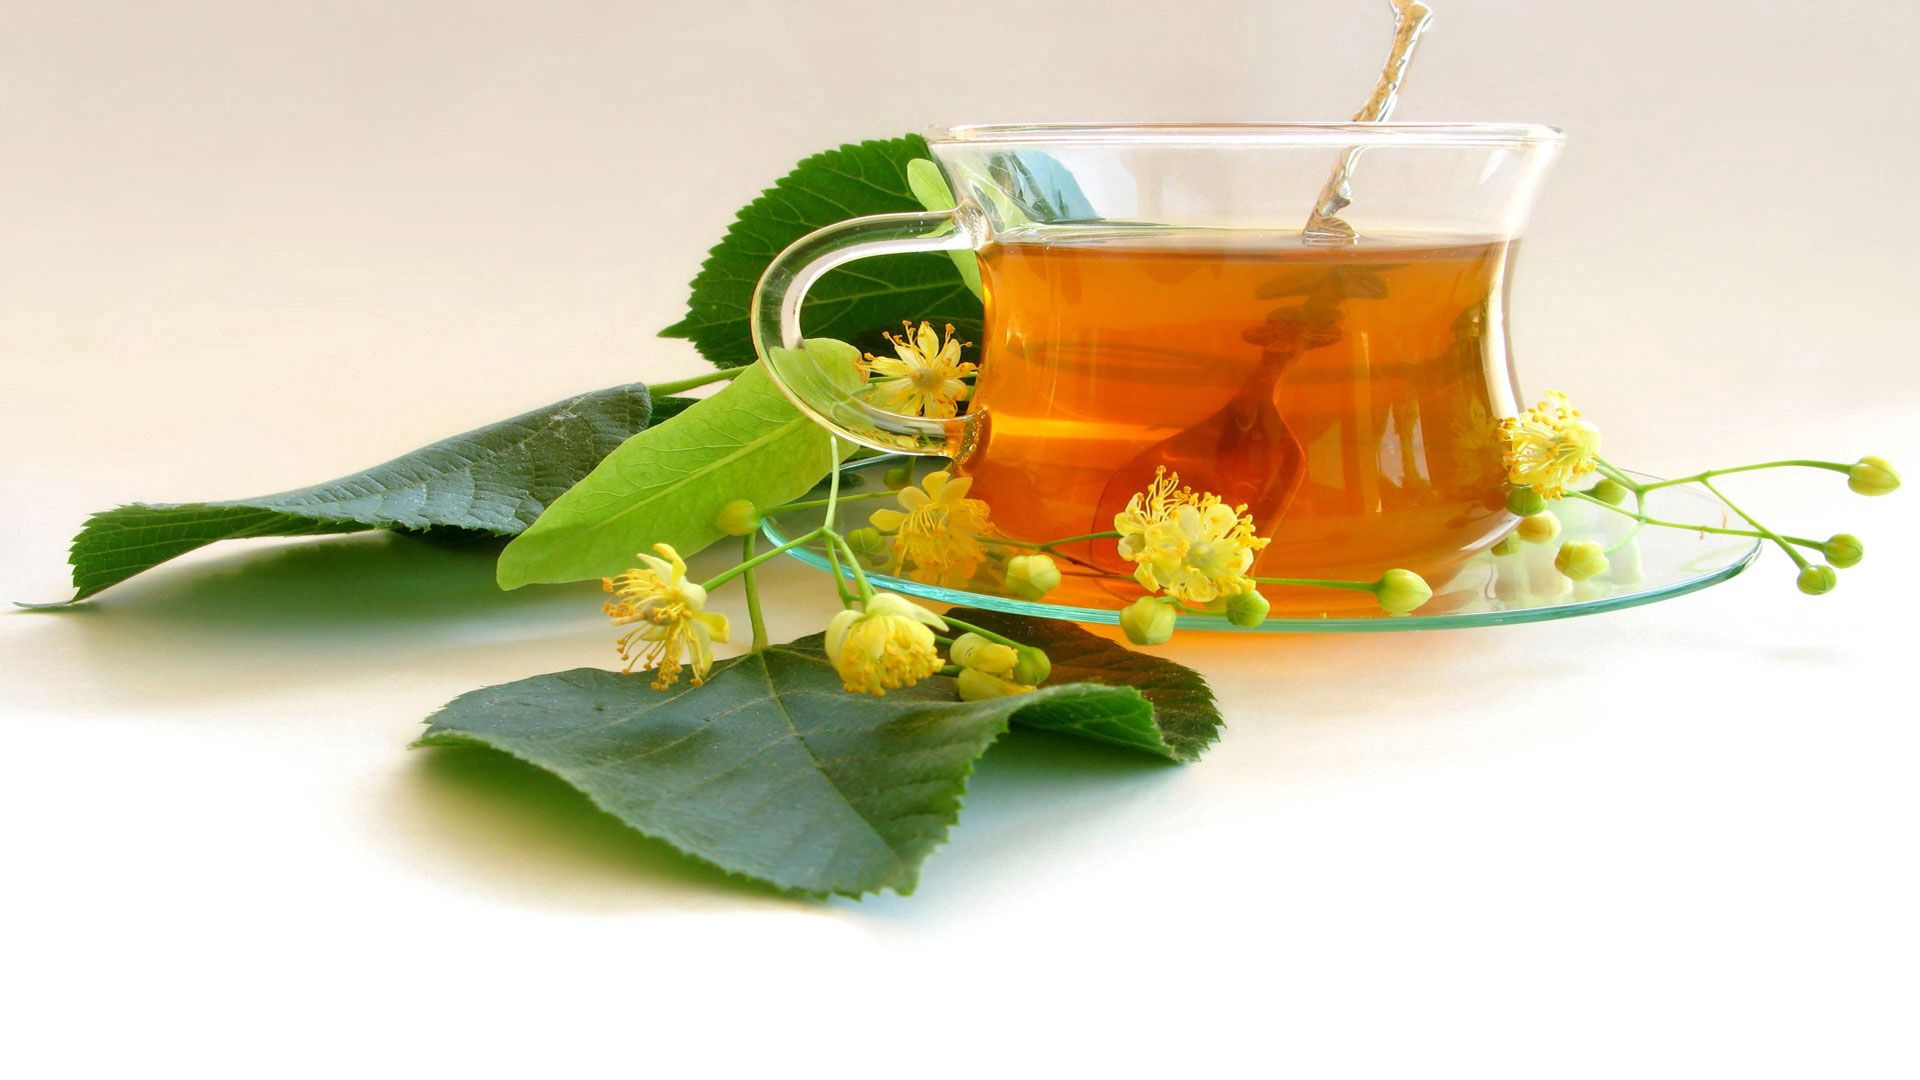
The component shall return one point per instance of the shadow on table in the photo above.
(314, 586)
(510, 828)
(339, 608)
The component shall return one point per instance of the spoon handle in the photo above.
(1410, 20)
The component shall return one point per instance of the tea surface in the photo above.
(1347, 395)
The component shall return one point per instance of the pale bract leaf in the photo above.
(667, 484)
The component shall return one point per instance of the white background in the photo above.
(248, 246)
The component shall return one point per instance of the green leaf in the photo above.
(496, 479)
(855, 302)
(928, 186)
(1180, 719)
(668, 483)
(770, 770)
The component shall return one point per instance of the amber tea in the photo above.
(1346, 394)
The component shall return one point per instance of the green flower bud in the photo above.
(1031, 577)
(898, 477)
(868, 543)
(1815, 580)
(970, 650)
(1508, 545)
(1247, 609)
(737, 518)
(1610, 491)
(977, 685)
(1033, 668)
(1525, 502)
(1843, 550)
(1538, 529)
(1872, 476)
(1581, 559)
(1401, 591)
(1147, 621)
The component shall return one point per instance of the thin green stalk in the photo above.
(729, 574)
(853, 561)
(982, 631)
(691, 381)
(754, 618)
(1030, 546)
(1619, 476)
(1356, 586)
(1703, 477)
(811, 504)
(839, 575)
(1689, 526)
(833, 511)
(1798, 559)
(1051, 544)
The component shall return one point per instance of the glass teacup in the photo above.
(1154, 300)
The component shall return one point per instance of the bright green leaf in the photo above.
(855, 302)
(771, 770)
(668, 483)
(496, 479)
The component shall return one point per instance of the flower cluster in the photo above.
(1549, 446)
(1190, 545)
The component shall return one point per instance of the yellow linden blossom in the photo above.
(1190, 544)
(1549, 446)
(923, 379)
(936, 530)
(666, 606)
(884, 647)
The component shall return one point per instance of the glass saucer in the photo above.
(1488, 590)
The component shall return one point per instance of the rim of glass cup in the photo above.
(1308, 133)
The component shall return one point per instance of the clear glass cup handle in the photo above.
(829, 396)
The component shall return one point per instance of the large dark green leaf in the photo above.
(667, 484)
(1177, 719)
(771, 770)
(854, 302)
(496, 480)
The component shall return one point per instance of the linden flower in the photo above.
(936, 530)
(924, 379)
(884, 647)
(666, 606)
(1190, 544)
(1549, 446)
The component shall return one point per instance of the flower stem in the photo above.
(754, 618)
(812, 504)
(1798, 559)
(982, 631)
(728, 575)
(839, 574)
(1703, 477)
(1051, 544)
(1619, 476)
(691, 381)
(1689, 526)
(853, 561)
(1356, 586)
(1030, 546)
